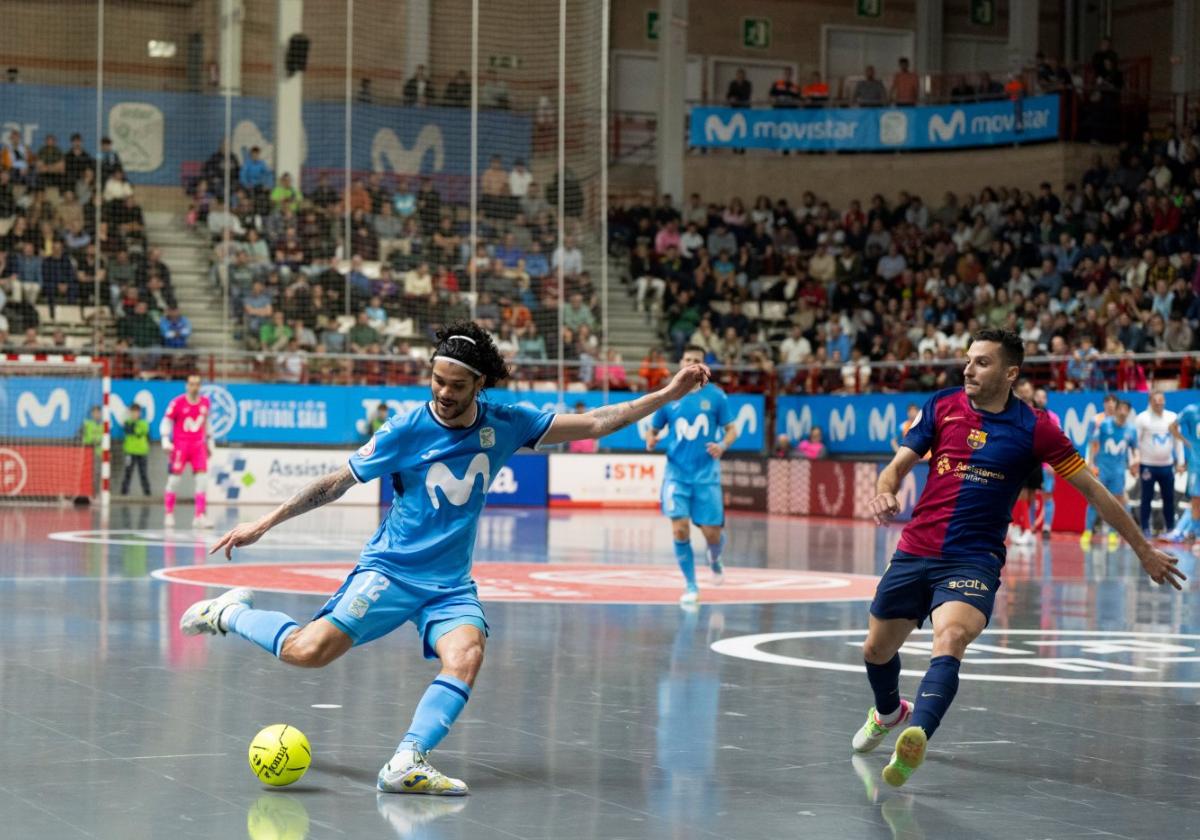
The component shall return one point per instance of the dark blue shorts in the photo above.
(913, 587)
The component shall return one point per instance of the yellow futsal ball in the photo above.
(279, 755)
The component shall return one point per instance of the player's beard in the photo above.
(449, 411)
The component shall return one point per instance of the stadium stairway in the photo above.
(186, 253)
(630, 332)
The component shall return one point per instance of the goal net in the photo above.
(54, 439)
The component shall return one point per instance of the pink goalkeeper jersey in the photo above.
(190, 419)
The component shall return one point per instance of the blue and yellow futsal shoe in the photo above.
(204, 616)
(873, 732)
(410, 772)
(907, 757)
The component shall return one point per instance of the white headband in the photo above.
(455, 361)
(463, 337)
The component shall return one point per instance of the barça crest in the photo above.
(977, 438)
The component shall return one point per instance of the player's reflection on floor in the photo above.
(895, 808)
(404, 813)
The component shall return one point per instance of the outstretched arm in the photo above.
(1158, 564)
(324, 490)
(611, 418)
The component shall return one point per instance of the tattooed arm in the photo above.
(611, 418)
(324, 490)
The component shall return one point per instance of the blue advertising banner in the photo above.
(156, 133)
(877, 129)
(46, 408)
(870, 423)
(340, 415)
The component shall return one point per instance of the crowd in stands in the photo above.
(883, 293)
(71, 223)
(296, 287)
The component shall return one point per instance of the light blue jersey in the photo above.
(1189, 427)
(1116, 441)
(441, 476)
(694, 422)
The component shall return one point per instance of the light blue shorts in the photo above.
(369, 604)
(1113, 481)
(1193, 483)
(701, 503)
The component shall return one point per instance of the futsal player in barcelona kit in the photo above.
(700, 430)
(441, 458)
(187, 438)
(983, 442)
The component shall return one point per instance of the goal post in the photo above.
(51, 445)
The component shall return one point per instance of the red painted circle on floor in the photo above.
(565, 583)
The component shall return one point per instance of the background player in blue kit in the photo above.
(983, 442)
(1111, 451)
(1187, 430)
(440, 458)
(701, 429)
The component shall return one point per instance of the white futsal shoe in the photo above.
(410, 772)
(169, 520)
(873, 732)
(204, 616)
(201, 522)
(690, 597)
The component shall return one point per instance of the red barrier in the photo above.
(46, 471)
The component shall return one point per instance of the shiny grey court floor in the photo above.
(605, 721)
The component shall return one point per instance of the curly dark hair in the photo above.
(469, 343)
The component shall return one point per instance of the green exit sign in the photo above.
(652, 24)
(983, 12)
(868, 8)
(756, 33)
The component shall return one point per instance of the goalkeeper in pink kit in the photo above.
(187, 440)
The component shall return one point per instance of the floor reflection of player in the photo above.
(688, 706)
(405, 814)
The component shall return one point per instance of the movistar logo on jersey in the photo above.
(456, 490)
(32, 411)
(691, 431)
(1115, 446)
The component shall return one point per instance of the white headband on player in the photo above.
(455, 361)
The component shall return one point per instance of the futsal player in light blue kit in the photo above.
(1186, 429)
(701, 429)
(441, 459)
(1110, 451)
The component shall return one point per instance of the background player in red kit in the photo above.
(983, 442)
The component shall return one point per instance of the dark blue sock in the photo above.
(936, 693)
(885, 682)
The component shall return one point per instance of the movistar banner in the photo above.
(340, 415)
(870, 423)
(877, 129)
(156, 133)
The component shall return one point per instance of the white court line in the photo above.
(975, 743)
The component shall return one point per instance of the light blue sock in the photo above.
(439, 708)
(266, 629)
(714, 551)
(686, 561)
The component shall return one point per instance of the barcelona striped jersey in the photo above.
(977, 467)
